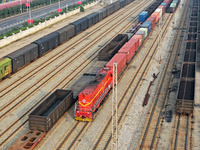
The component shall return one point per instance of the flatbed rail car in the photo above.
(42, 119)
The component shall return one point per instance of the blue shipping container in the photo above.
(164, 4)
(148, 25)
(143, 16)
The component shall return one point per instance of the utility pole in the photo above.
(114, 109)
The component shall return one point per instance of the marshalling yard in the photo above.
(157, 91)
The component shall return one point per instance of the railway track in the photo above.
(103, 137)
(23, 118)
(182, 133)
(152, 129)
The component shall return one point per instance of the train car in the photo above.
(108, 51)
(148, 25)
(47, 43)
(23, 56)
(152, 19)
(173, 6)
(120, 59)
(122, 3)
(88, 75)
(66, 33)
(116, 5)
(139, 37)
(102, 14)
(156, 15)
(93, 18)
(185, 102)
(110, 9)
(80, 25)
(50, 110)
(91, 97)
(5, 67)
(129, 50)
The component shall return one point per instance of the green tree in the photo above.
(81, 9)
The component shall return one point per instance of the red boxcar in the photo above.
(90, 98)
(139, 37)
(153, 20)
(120, 59)
(129, 50)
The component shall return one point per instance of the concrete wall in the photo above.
(40, 26)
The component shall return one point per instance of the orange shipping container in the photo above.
(139, 37)
(156, 14)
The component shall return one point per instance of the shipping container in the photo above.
(148, 25)
(152, 20)
(80, 25)
(139, 37)
(47, 43)
(145, 30)
(143, 16)
(142, 33)
(156, 15)
(160, 12)
(5, 67)
(136, 41)
(129, 50)
(49, 111)
(66, 33)
(120, 59)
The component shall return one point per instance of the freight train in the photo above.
(36, 49)
(90, 98)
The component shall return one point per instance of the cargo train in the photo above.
(36, 49)
(90, 98)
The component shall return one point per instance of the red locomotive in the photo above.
(90, 98)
